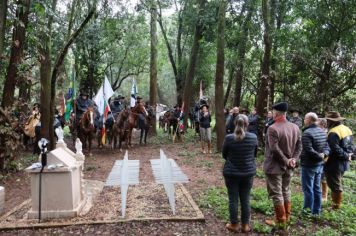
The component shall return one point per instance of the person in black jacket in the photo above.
(314, 150)
(205, 130)
(239, 151)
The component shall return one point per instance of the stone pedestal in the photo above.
(61, 187)
(2, 200)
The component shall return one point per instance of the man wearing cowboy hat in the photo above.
(295, 119)
(230, 122)
(117, 105)
(283, 147)
(204, 126)
(341, 149)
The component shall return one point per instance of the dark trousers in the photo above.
(239, 188)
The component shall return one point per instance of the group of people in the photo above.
(323, 148)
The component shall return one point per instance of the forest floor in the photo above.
(206, 186)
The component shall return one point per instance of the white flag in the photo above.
(133, 94)
(103, 95)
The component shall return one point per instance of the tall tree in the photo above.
(242, 51)
(3, 11)
(219, 77)
(17, 46)
(153, 64)
(263, 92)
(188, 83)
(45, 72)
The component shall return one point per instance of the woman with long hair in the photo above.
(239, 151)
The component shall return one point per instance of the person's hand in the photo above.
(292, 163)
(350, 156)
(322, 155)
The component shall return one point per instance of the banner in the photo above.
(133, 93)
(70, 96)
(101, 100)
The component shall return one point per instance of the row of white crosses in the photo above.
(165, 171)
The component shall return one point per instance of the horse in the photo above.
(146, 123)
(133, 117)
(172, 124)
(120, 129)
(87, 128)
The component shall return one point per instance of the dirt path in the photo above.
(203, 171)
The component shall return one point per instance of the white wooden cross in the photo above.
(124, 173)
(167, 172)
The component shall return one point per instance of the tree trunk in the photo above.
(219, 78)
(188, 83)
(45, 77)
(229, 85)
(262, 97)
(275, 25)
(241, 53)
(153, 64)
(18, 40)
(3, 11)
(58, 64)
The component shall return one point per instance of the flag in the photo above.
(133, 93)
(181, 121)
(70, 96)
(101, 100)
(201, 90)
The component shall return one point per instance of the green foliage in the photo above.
(217, 200)
(260, 201)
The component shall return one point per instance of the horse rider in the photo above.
(117, 105)
(141, 115)
(82, 103)
(179, 115)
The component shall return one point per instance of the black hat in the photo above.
(204, 105)
(36, 104)
(83, 92)
(138, 97)
(294, 109)
(119, 97)
(177, 106)
(282, 106)
(244, 110)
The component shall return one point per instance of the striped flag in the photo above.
(101, 100)
(70, 96)
(133, 93)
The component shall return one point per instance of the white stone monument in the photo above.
(62, 183)
(2, 200)
(123, 174)
(167, 172)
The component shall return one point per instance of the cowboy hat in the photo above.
(204, 105)
(282, 106)
(334, 116)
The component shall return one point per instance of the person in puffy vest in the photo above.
(341, 151)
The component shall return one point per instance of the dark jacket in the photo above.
(253, 123)
(116, 106)
(340, 143)
(204, 122)
(82, 105)
(230, 123)
(314, 143)
(283, 142)
(240, 155)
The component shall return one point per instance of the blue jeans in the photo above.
(311, 177)
(239, 187)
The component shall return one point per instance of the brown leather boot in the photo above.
(280, 217)
(324, 191)
(337, 199)
(288, 210)
(245, 228)
(233, 227)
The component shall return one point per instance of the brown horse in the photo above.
(87, 128)
(132, 120)
(120, 129)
